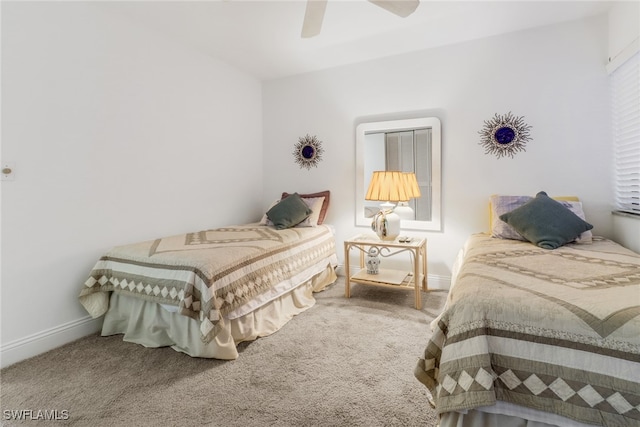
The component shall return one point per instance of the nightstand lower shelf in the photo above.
(389, 278)
(386, 277)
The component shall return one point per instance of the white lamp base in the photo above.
(404, 211)
(386, 224)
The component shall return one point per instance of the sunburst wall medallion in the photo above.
(504, 135)
(308, 151)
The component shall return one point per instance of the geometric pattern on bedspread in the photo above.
(581, 272)
(213, 238)
(206, 274)
(557, 331)
(586, 272)
(563, 394)
(602, 326)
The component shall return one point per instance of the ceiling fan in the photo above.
(314, 13)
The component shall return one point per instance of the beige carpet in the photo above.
(344, 362)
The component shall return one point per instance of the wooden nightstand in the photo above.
(403, 279)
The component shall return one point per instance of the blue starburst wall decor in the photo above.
(308, 151)
(504, 135)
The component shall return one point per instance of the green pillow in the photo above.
(546, 222)
(289, 212)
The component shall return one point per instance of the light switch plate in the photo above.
(8, 172)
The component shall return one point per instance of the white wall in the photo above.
(624, 26)
(554, 76)
(118, 135)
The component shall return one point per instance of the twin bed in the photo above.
(535, 337)
(202, 293)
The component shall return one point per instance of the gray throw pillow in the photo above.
(289, 212)
(546, 222)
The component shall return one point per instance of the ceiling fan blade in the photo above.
(313, 17)
(402, 8)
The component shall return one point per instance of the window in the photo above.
(625, 82)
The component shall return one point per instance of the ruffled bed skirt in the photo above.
(506, 415)
(151, 325)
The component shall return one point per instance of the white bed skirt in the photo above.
(149, 324)
(505, 414)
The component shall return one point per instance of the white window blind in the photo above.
(626, 134)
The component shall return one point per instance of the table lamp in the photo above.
(387, 186)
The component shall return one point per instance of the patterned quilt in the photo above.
(554, 330)
(209, 273)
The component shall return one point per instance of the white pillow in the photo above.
(315, 203)
(501, 205)
(576, 208)
(265, 220)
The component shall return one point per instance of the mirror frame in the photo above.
(363, 129)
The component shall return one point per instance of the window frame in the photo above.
(625, 105)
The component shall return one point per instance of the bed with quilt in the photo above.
(538, 330)
(202, 293)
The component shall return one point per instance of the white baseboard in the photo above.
(38, 343)
(440, 283)
(434, 282)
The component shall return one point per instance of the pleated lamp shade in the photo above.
(412, 190)
(411, 186)
(387, 186)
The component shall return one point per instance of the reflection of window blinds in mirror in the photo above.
(399, 151)
(410, 151)
(423, 173)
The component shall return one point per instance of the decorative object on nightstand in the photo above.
(387, 186)
(308, 151)
(403, 209)
(373, 260)
(504, 135)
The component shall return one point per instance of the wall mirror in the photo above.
(410, 145)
